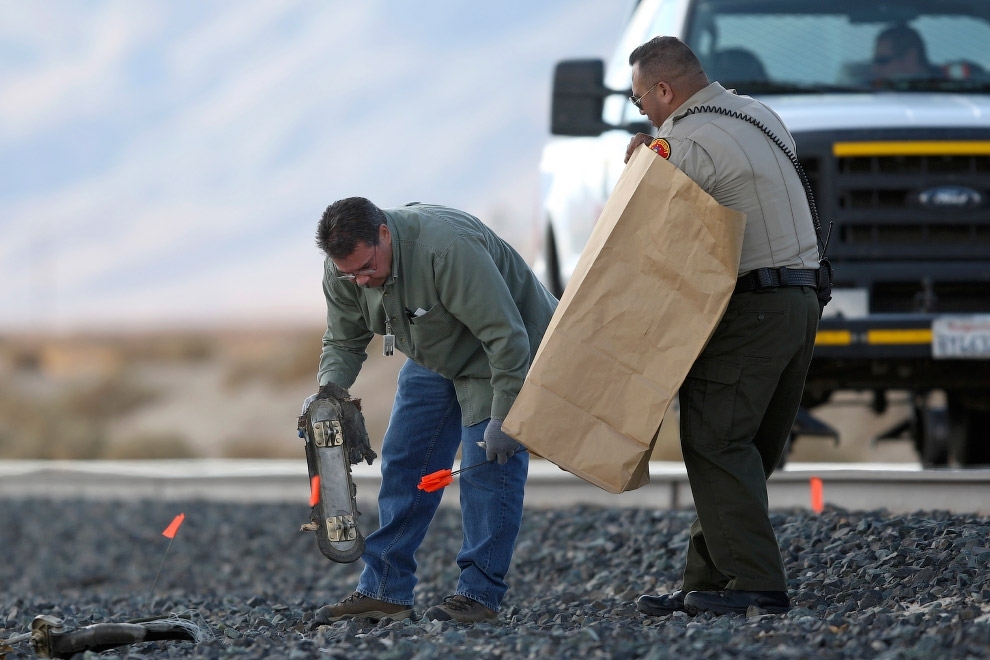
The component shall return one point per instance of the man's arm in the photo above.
(472, 289)
(691, 158)
(345, 343)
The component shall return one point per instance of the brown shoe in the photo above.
(357, 604)
(462, 609)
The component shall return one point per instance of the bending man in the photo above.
(469, 314)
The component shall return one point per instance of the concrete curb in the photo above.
(899, 488)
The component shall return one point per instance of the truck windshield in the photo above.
(794, 46)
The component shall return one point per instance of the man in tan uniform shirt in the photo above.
(742, 394)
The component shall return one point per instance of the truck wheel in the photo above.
(968, 423)
(931, 433)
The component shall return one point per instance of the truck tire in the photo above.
(931, 433)
(968, 428)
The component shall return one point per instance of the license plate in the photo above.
(967, 337)
(848, 303)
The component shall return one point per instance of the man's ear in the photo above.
(384, 234)
(666, 91)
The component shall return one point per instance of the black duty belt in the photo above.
(763, 279)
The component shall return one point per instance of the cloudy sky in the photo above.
(165, 162)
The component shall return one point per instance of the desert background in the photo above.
(165, 165)
(236, 393)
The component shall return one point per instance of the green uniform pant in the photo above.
(738, 403)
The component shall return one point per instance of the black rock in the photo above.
(864, 584)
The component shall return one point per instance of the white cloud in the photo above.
(74, 75)
(253, 117)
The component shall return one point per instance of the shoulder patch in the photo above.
(661, 146)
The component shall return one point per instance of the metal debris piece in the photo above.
(341, 528)
(336, 437)
(49, 638)
(328, 433)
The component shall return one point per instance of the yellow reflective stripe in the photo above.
(875, 337)
(833, 338)
(899, 336)
(926, 148)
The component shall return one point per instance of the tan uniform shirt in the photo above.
(742, 169)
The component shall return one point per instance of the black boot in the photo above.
(661, 605)
(734, 601)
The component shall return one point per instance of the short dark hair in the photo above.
(667, 57)
(347, 222)
(904, 39)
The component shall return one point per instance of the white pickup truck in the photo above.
(899, 163)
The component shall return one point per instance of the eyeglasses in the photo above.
(357, 273)
(638, 100)
(881, 60)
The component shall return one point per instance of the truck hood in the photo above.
(818, 112)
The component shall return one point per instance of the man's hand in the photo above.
(638, 139)
(498, 444)
(309, 400)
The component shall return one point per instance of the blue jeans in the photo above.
(423, 435)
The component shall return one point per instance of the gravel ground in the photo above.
(864, 584)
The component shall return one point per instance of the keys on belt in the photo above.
(763, 279)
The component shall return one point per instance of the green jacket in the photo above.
(485, 310)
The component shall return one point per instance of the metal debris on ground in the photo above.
(50, 638)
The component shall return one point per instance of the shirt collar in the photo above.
(702, 96)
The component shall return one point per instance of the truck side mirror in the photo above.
(579, 94)
(578, 98)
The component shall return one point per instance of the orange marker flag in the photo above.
(817, 495)
(436, 480)
(314, 490)
(174, 526)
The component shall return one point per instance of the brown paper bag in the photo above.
(649, 289)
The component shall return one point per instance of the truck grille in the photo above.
(911, 218)
(879, 199)
(953, 297)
